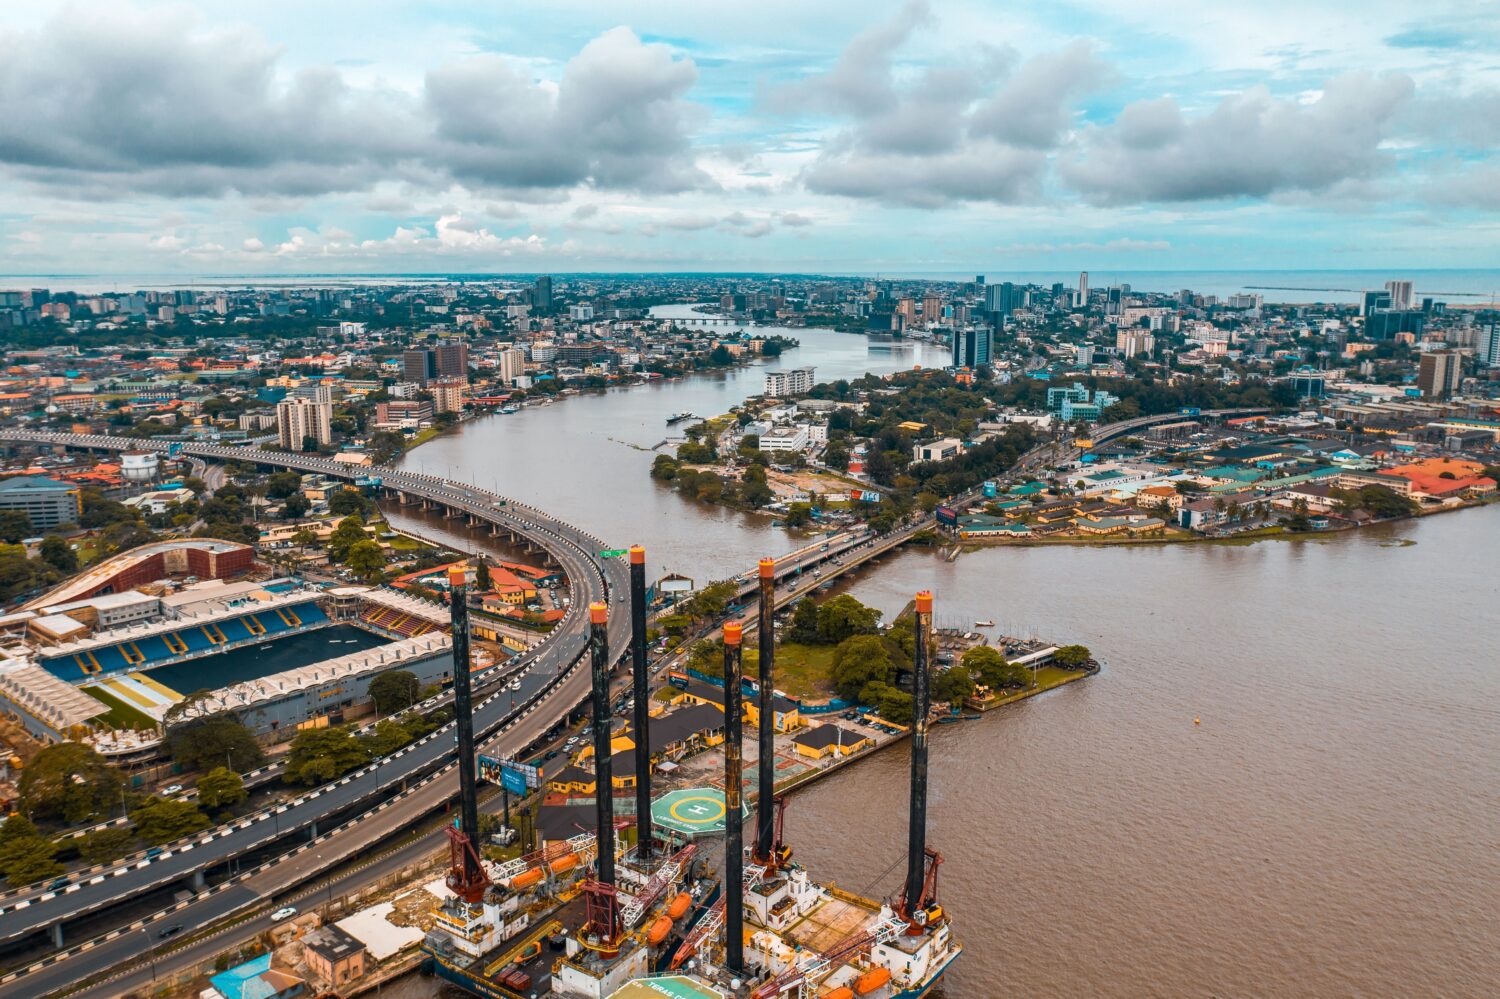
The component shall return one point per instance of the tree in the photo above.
(482, 575)
(69, 781)
(56, 553)
(836, 456)
(843, 617)
(395, 690)
(280, 485)
(221, 788)
(161, 820)
(803, 628)
(797, 514)
(1071, 655)
(295, 507)
(104, 845)
(366, 558)
(346, 502)
(15, 527)
(990, 668)
(859, 661)
(211, 741)
(320, 755)
(711, 601)
(952, 685)
(350, 532)
(25, 859)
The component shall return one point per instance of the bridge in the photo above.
(552, 684)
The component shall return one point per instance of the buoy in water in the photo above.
(1197, 721)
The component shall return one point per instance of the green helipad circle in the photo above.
(690, 811)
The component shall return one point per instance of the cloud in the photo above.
(128, 100)
(794, 219)
(975, 127)
(1250, 145)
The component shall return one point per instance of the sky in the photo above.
(288, 136)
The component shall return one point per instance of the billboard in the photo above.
(947, 516)
(990, 489)
(517, 778)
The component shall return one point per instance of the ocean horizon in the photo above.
(1456, 286)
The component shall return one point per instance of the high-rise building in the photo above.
(451, 359)
(971, 347)
(1488, 346)
(301, 420)
(510, 364)
(541, 294)
(419, 365)
(449, 394)
(1401, 294)
(792, 381)
(1081, 300)
(48, 503)
(1384, 324)
(1002, 299)
(1372, 300)
(1439, 373)
(1133, 342)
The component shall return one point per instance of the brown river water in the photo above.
(1329, 828)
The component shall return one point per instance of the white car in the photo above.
(172, 789)
(284, 913)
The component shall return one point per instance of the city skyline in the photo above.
(204, 139)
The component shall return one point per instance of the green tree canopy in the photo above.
(56, 553)
(280, 485)
(367, 559)
(161, 820)
(15, 527)
(1071, 655)
(952, 686)
(803, 628)
(347, 502)
(212, 741)
(26, 859)
(70, 782)
(221, 788)
(350, 532)
(844, 616)
(395, 690)
(104, 845)
(320, 755)
(858, 661)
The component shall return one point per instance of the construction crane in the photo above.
(666, 875)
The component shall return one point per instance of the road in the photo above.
(551, 686)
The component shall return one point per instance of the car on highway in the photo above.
(285, 912)
(169, 931)
(172, 789)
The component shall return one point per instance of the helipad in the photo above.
(667, 987)
(692, 812)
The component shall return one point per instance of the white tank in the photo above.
(139, 466)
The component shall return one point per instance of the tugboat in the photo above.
(679, 417)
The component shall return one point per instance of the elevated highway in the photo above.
(551, 686)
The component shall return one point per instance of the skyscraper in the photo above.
(418, 364)
(1372, 300)
(1439, 373)
(1002, 299)
(299, 421)
(452, 360)
(971, 347)
(541, 294)
(1082, 299)
(1489, 346)
(1401, 294)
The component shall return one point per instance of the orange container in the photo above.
(566, 862)
(679, 905)
(872, 980)
(842, 992)
(526, 879)
(659, 930)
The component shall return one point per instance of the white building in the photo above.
(938, 450)
(792, 381)
(300, 420)
(581, 313)
(1131, 342)
(784, 439)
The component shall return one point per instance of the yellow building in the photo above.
(829, 740)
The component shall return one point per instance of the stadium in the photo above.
(105, 656)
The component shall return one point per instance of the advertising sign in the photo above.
(947, 516)
(517, 778)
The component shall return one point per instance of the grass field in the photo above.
(120, 714)
(804, 670)
(1047, 677)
